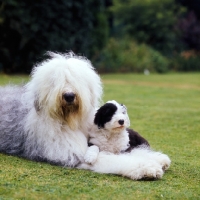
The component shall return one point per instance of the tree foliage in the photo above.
(193, 5)
(149, 21)
(127, 56)
(29, 28)
(189, 27)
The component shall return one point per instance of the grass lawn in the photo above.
(165, 109)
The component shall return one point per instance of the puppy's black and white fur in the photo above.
(110, 132)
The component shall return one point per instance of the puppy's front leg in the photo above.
(91, 154)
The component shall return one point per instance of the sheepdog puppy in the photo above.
(110, 132)
(49, 120)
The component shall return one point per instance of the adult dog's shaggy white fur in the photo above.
(49, 118)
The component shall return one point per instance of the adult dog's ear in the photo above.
(104, 114)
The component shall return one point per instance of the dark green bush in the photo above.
(30, 28)
(187, 61)
(149, 21)
(127, 56)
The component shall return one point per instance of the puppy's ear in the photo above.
(104, 114)
(98, 118)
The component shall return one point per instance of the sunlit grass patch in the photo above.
(165, 109)
(14, 79)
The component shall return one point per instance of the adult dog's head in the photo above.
(112, 116)
(65, 88)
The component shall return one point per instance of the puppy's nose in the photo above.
(69, 97)
(121, 121)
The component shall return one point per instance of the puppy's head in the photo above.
(112, 116)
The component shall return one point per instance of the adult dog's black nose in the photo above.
(69, 97)
(121, 121)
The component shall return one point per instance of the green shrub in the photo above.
(187, 61)
(127, 56)
(149, 21)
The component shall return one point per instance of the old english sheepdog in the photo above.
(49, 119)
(110, 132)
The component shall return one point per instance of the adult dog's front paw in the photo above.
(148, 170)
(164, 160)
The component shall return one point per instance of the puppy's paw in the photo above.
(90, 158)
(91, 154)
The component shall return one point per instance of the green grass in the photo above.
(15, 79)
(165, 109)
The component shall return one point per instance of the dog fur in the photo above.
(109, 129)
(110, 132)
(38, 123)
(49, 120)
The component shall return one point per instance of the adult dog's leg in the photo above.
(159, 157)
(129, 165)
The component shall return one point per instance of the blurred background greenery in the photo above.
(117, 35)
